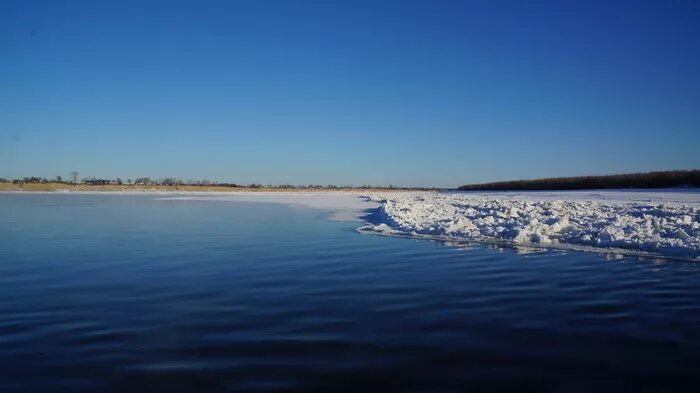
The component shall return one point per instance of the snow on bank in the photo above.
(636, 226)
(344, 206)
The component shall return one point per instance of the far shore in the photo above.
(127, 188)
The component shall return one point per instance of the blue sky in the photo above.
(377, 92)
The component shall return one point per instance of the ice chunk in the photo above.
(666, 229)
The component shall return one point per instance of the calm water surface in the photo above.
(128, 293)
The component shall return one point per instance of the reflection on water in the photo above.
(126, 293)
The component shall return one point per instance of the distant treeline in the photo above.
(663, 179)
(171, 181)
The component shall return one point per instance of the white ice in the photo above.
(663, 223)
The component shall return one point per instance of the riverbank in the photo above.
(68, 187)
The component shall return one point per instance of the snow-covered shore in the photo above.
(651, 223)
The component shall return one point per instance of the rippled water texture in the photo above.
(129, 293)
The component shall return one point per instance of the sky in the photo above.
(430, 93)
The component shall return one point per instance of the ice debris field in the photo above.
(666, 225)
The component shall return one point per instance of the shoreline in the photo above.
(342, 205)
(124, 188)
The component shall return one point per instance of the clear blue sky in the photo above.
(377, 92)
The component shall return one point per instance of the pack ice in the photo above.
(647, 226)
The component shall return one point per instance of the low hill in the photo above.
(663, 179)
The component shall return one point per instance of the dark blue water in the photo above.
(128, 293)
